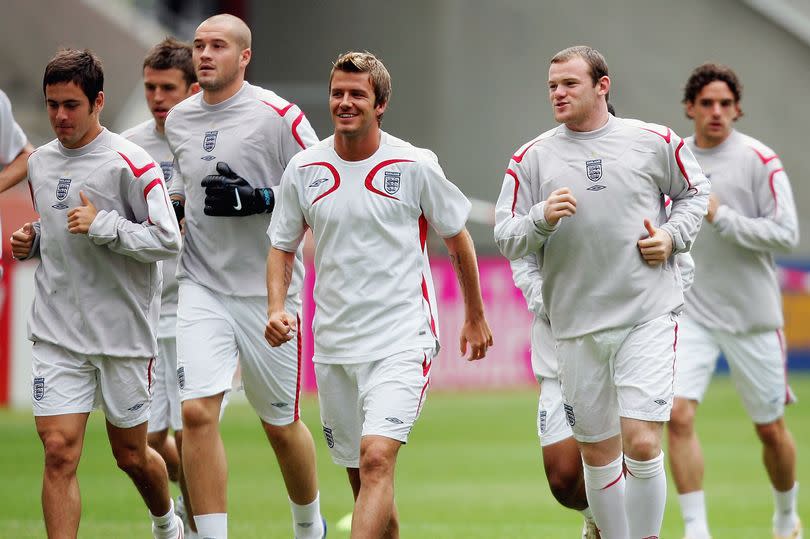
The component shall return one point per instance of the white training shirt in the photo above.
(12, 140)
(594, 277)
(736, 287)
(154, 142)
(99, 293)
(257, 133)
(373, 290)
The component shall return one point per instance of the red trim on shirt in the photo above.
(425, 374)
(680, 164)
(423, 230)
(765, 160)
(517, 184)
(423, 244)
(138, 172)
(517, 158)
(376, 169)
(666, 137)
(335, 175)
(281, 112)
(151, 186)
(295, 134)
(298, 371)
(773, 189)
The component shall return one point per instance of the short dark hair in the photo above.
(706, 74)
(172, 54)
(80, 67)
(597, 65)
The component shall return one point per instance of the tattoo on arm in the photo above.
(456, 260)
(288, 271)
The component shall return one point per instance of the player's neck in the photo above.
(590, 123)
(213, 97)
(707, 143)
(358, 148)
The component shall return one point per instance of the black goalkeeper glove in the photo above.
(227, 195)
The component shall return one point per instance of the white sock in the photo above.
(165, 525)
(784, 516)
(587, 514)
(693, 510)
(307, 523)
(604, 486)
(646, 496)
(212, 525)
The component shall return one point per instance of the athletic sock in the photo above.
(693, 510)
(212, 525)
(307, 522)
(165, 525)
(785, 516)
(604, 486)
(646, 496)
(587, 514)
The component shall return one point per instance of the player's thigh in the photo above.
(340, 412)
(552, 424)
(644, 370)
(271, 375)
(207, 354)
(695, 359)
(757, 363)
(62, 381)
(392, 393)
(589, 397)
(125, 389)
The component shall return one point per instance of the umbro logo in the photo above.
(660, 402)
(136, 407)
(596, 188)
(319, 181)
(395, 420)
(279, 404)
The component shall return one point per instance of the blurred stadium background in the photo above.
(469, 83)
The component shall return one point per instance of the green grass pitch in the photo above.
(472, 470)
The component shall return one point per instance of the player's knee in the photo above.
(197, 415)
(375, 465)
(771, 434)
(643, 446)
(129, 459)
(682, 418)
(61, 457)
(565, 487)
(156, 440)
(280, 436)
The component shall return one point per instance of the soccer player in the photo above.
(168, 78)
(368, 198)
(231, 143)
(105, 220)
(588, 199)
(14, 152)
(735, 306)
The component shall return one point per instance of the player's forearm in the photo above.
(759, 233)
(462, 255)
(17, 170)
(279, 275)
(144, 242)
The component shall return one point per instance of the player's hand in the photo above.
(711, 211)
(477, 334)
(229, 195)
(656, 248)
(281, 327)
(81, 217)
(560, 203)
(22, 240)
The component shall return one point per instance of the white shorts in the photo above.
(382, 398)
(65, 382)
(552, 425)
(217, 333)
(165, 393)
(544, 349)
(756, 361)
(625, 372)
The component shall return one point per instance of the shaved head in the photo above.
(232, 25)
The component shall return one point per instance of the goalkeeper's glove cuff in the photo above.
(179, 209)
(265, 199)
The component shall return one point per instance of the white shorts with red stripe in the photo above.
(66, 382)
(381, 398)
(615, 373)
(756, 360)
(215, 333)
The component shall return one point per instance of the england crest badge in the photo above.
(39, 388)
(210, 140)
(168, 170)
(391, 180)
(62, 188)
(593, 169)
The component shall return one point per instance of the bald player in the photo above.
(231, 143)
